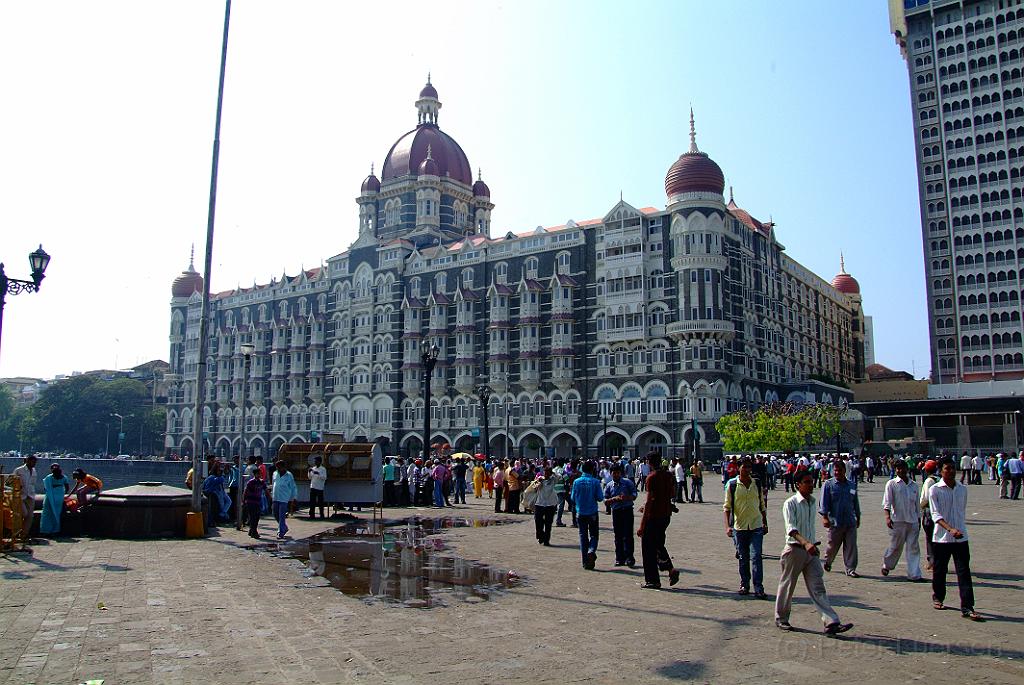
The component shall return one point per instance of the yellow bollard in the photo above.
(194, 527)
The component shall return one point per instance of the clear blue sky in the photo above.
(107, 131)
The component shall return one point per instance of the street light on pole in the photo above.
(484, 393)
(429, 357)
(247, 352)
(120, 431)
(508, 435)
(37, 261)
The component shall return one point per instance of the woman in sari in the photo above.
(55, 486)
(478, 480)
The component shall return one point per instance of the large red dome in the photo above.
(187, 283)
(694, 172)
(406, 155)
(845, 283)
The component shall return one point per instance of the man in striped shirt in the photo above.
(947, 501)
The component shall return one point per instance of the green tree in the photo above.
(76, 414)
(778, 427)
(11, 418)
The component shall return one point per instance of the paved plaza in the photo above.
(214, 611)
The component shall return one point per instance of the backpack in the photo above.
(732, 495)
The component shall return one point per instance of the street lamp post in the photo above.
(508, 435)
(38, 261)
(120, 431)
(429, 357)
(604, 437)
(485, 397)
(247, 352)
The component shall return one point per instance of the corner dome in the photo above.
(428, 167)
(694, 171)
(844, 282)
(371, 184)
(480, 188)
(188, 282)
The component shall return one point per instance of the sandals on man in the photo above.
(938, 606)
(973, 615)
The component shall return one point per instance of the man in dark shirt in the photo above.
(459, 475)
(657, 513)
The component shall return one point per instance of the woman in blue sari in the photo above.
(55, 486)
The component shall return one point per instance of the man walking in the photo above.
(697, 481)
(459, 470)
(498, 476)
(746, 521)
(965, 469)
(1015, 467)
(284, 495)
(389, 482)
(901, 503)
(586, 493)
(680, 473)
(26, 473)
(657, 513)
(317, 483)
(621, 492)
(927, 524)
(840, 514)
(947, 500)
(800, 558)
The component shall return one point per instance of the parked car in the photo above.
(123, 457)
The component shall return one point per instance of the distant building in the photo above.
(654, 321)
(884, 384)
(24, 390)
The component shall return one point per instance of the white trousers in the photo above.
(900, 535)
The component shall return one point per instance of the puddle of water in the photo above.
(398, 563)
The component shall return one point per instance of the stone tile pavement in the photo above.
(187, 611)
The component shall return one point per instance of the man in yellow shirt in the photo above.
(746, 521)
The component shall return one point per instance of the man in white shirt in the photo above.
(977, 468)
(901, 504)
(947, 501)
(965, 468)
(680, 473)
(26, 473)
(317, 483)
(870, 467)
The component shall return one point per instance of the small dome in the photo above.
(480, 188)
(844, 282)
(371, 184)
(428, 90)
(429, 166)
(187, 283)
(694, 171)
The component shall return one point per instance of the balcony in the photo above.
(620, 261)
(702, 327)
(624, 297)
(624, 334)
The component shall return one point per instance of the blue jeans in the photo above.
(280, 512)
(748, 543)
(460, 490)
(588, 534)
(438, 494)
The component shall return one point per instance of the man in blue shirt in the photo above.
(285, 493)
(620, 493)
(1015, 467)
(586, 493)
(840, 514)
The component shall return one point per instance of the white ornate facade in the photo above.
(657, 320)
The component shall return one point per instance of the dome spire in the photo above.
(693, 134)
(192, 258)
(842, 263)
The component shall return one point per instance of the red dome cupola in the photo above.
(694, 172)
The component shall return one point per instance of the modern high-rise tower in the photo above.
(966, 65)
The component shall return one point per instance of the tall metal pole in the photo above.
(246, 356)
(485, 399)
(429, 358)
(508, 435)
(204, 324)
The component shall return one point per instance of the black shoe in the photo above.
(620, 563)
(827, 566)
(852, 573)
(743, 591)
(836, 628)
(559, 525)
(592, 559)
(759, 594)
(650, 586)
(631, 563)
(673, 577)
(783, 625)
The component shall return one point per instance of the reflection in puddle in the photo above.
(396, 562)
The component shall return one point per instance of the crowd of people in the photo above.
(60, 494)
